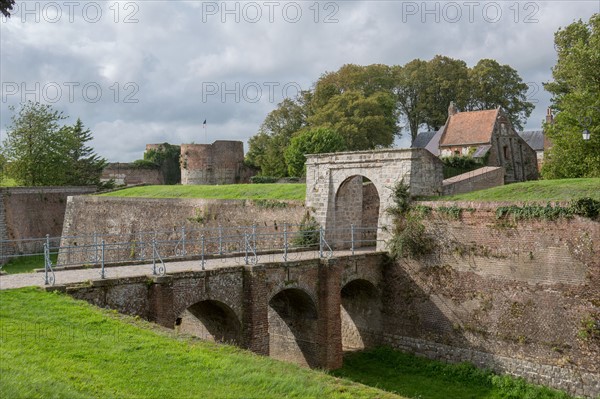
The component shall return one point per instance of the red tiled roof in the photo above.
(473, 127)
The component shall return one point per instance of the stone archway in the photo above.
(357, 204)
(325, 173)
(292, 316)
(212, 321)
(360, 316)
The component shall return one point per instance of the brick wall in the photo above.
(33, 212)
(511, 296)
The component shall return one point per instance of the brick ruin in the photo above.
(221, 162)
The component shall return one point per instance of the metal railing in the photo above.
(247, 243)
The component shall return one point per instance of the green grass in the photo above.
(7, 182)
(229, 191)
(416, 377)
(26, 263)
(52, 346)
(541, 190)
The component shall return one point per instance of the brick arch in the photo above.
(293, 327)
(211, 320)
(360, 313)
(183, 299)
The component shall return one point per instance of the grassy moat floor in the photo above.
(53, 346)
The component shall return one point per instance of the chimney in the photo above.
(452, 109)
(549, 117)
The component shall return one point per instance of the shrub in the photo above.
(308, 233)
(263, 179)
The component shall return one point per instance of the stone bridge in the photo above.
(306, 312)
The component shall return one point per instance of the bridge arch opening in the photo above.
(357, 203)
(360, 316)
(212, 321)
(293, 327)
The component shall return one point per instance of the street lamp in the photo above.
(586, 121)
(586, 134)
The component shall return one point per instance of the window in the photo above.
(506, 152)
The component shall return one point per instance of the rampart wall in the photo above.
(518, 297)
(33, 212)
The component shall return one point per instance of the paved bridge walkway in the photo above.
(82, 275)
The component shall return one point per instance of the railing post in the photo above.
(220, 240)
(102, 274)
(46, 258)
(285, 242)
(183, 253)
(254, 236)
(246, 243)
(95, 248)
(154, 256)
(202, 264)
(320, 241)
(352, 236)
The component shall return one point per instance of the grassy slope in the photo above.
(52, 346)
(542, 190)
(7, 182)
(231, 191)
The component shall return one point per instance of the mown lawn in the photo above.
(229, 191)
(52, 346)
(541, 190)
(416, 377)
(26, 263)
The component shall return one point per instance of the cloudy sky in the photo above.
(152, 71)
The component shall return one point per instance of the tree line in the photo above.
(369, 106)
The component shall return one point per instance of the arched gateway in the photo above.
(337, 187)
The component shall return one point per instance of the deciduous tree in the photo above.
(576, 98)
(314, 141)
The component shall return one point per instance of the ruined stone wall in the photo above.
(518, 297)
(33, 212)
(127, 174)
(219, 163)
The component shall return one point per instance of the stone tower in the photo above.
(221, 162)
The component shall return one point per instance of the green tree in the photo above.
(576, 96)
(365, 122)
(6, 7)
(410, 84)
(313, 141)
(494, 85)
(41, 152)
(447, 80)
(82, 166)
(166, 158)
(267, 147)
(33, 145)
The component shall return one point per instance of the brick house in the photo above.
(488, 134)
